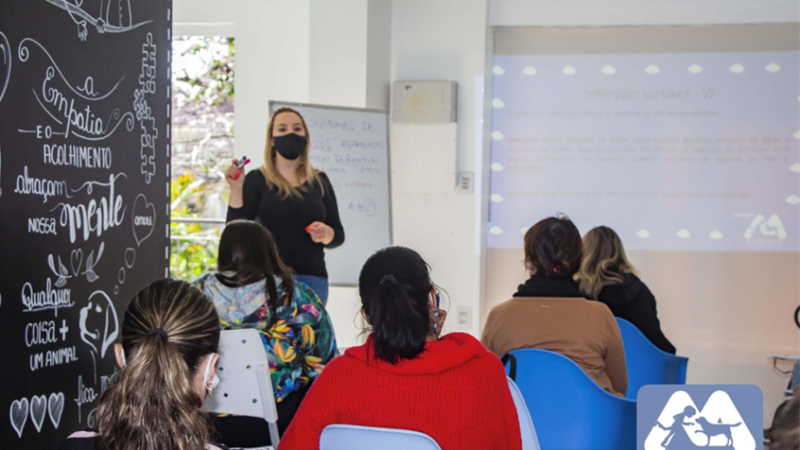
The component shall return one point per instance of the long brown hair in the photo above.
(605, 261)
(247, 254)
(305, 171)
(153, 405)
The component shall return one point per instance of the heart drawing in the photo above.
(55, 406)
(38, 411)
(143, 218)
(76, 261)
(5, 64)
(19, 415)
(130, 257)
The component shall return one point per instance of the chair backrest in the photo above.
(570, 410)
(245, 387)
(526, 428)
(353, 437)
(648, 364)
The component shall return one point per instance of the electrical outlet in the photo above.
(464, 317)
(465, 181)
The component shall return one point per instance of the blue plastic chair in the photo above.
(648, 364)
(570, 410)
(354, 437)
(526, 428)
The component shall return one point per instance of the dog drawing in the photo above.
(716, 429)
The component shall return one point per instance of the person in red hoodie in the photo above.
(406, 376)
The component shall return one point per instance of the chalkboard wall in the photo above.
(84, 199)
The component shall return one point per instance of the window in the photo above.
(202, 148)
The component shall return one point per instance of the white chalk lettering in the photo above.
(93, 218)
(77, 156)
(52, 358)
(143, 220)
(42, 225)
(85, 395)
(40, 333)
(45, 300)
(84, 120)
(40, 186)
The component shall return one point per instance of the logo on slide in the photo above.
(668, 417)
(762, 228)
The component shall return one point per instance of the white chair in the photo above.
(526, 428)
(245, 387)
(353, 437)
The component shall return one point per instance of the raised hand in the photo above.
(234, 176)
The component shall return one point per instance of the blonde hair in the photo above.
(168, 329)
(604, 262)
(305, 171)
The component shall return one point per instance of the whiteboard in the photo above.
(351, 145)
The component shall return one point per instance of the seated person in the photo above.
(254, 289)
(406, 376)
(784, 434)
(549, 311)
(168, 357)
(607, 276)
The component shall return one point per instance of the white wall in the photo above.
(443, 40)
(272, 63)
(638, 12)
(379, 45)
(339, 52)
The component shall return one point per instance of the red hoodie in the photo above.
(455, 391)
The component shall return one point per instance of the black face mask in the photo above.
(290, 146)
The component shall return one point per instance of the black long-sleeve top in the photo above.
(287, 219)
(634, 302)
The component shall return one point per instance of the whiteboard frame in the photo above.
(273, 103)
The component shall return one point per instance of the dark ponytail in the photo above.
(394, 286)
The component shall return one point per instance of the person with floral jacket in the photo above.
(254, 289)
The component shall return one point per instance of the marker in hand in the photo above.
(240, 164)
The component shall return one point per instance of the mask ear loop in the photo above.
(205, 375)
(122, 355)
(435, 309)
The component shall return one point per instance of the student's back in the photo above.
(405, 377)
(549, 311)
(579, 329)
(168, 359)
(606, 275)
(455, 391)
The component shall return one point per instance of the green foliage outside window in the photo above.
(202, 147)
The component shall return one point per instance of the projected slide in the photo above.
(690, 151)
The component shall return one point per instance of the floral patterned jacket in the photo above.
(299, 343)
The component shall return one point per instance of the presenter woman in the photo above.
(291, 199)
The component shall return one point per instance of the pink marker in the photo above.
(242, 162)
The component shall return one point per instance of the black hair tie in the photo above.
(157, 331)
(389, 278)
